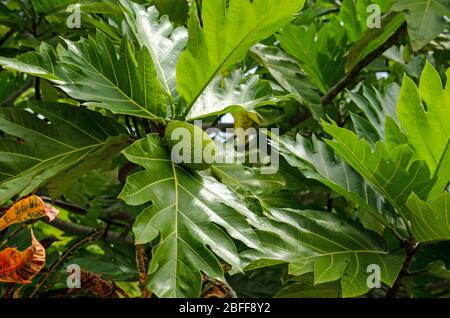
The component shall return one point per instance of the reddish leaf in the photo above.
(21, 267)
(29, 208)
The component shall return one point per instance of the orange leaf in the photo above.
(21, 267)
(29, 208)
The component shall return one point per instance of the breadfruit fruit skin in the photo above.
(197, 161)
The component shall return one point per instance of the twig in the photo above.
(350, 76)
(411, 248)
(11, 99)
(82, 230)
(37, 88)
(123, 216)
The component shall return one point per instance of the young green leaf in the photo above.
(429, 220)
(426, 124)
(321, 52)
(223, 37)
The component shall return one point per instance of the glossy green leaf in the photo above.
(50, 6)
(438, 269)
(47, 6)
(157, 34)
(74, 142)
(304, 287)
(41, 64)
(94, 71)
(373, 38)
(176, 9)
(377, 105)
(391, 172)
(187, 210)
(260, 191)
(316, 160)
(364, 129)
(321, 52)
(288, 74)
(232, 94)
(125, 85)
(353, 14)
(326, 244)
(223, 37)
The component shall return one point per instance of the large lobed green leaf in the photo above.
(321, 52)
(164, 43)
(429, 220)
(326, 244)
(286, 71)
(75, 141)
(223, 37)
(393, 172)
(377, 106)
(427, 125)
(125, 84)
(261, 191)
(232, 94)
(188, 211)
(94, 71)
(425, 19)
(316, 160)
(373, 38)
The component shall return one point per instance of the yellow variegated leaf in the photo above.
(29, 208)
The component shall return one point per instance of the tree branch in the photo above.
(11, 99)
(119, 215)
(350, 76)
(411, 248)
(37, 88)
(81, 230)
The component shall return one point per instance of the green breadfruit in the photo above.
(189, 145)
